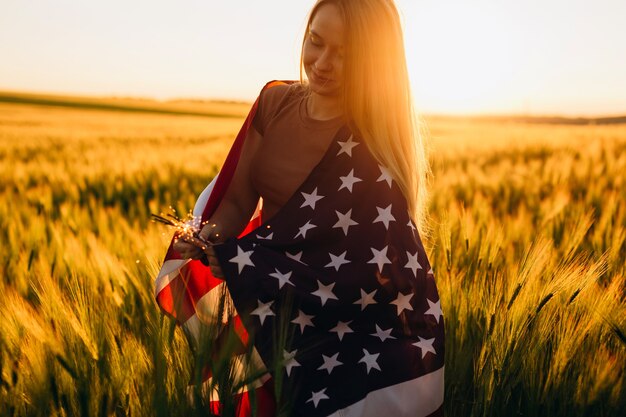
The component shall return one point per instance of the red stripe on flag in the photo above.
(264, 402)
(240, 330)
(175, 301)
(180, 296)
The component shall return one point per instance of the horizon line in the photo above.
(589, 116)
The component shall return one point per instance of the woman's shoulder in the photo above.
(277, 90)
(274, 96)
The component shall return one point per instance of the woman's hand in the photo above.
(191, 247)
(187, 249)
(210, 233)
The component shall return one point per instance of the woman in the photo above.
(337, 264)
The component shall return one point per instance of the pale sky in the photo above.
(475, 56)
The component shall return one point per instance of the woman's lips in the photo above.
(320, 78)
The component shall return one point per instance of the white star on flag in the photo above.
(282, 278)
(242, 259)
(425, 345)
(412, 263)
(348, 181)
(384, 216)
(289, 360)
(434, 309)
(316, 397)
(366, 299)
(411, 225)
(295, 257)
(263, 310)
(337, 261)
(303, 320)
(311, 199)
(344, 221)
(305, 228)
(380, 258)
(384, 175)
(430, 272)
(325, 292)
(346, 147)
(403, 302)
(330, 362)
(369, 359)
(383, 334)
(342, 328)
(268, 237)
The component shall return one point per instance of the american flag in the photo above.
(340, 270)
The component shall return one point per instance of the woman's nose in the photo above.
(324, 62)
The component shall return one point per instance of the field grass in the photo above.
(528, 242)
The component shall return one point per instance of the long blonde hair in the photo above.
(377, 96)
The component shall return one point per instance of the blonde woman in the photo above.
(333, 261)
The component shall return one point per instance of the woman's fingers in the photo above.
(187, 250)
(216, 270)
(209, 232)
(191, 247)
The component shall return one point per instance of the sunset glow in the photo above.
(556, 57)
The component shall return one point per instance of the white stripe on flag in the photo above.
(198, 209)
(208, 305)
(168, 272)
(415, 398)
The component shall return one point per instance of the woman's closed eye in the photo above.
(315, 40)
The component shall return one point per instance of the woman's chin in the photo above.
(325, 88)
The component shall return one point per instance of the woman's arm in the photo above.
(234, 212)
(241, 198)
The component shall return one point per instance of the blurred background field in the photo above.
(527, 238)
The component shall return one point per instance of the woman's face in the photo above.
(322, 54)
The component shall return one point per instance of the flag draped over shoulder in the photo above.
(186, 290)
(335, 288)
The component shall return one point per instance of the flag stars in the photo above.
(434, 309)
(318, 396)
(383, 334)
(296, 257)
(366, 299)
(304, 229)
(403, 302)
(370, 360)
(263, 310)
(412, 263)
(411, 225)
(325, 292)
(342, 328)
(346, 147)
(311, 199)
(330, 362)
(242, 259)
(380, 258)
(289, 361)
(268, 237)
(337, 261)
(425, 345)
(345, 221)
(348, 181)
(385, 175)
(282, 278)
(303, 320)
(385, 216)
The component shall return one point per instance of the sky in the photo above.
(557, 57)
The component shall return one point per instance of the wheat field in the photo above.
(527, 235)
